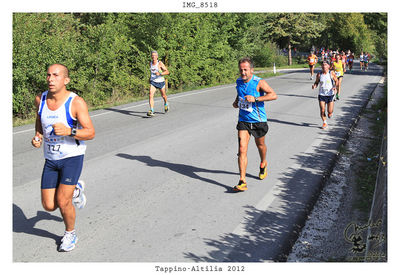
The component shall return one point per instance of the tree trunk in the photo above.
(290, 54)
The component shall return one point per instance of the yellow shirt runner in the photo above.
(338, 67)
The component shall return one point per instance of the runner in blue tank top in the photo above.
(252, 91)
(62, 123)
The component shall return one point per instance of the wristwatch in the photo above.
(73, 132)
(256, 99)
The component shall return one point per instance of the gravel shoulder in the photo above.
(335, 230)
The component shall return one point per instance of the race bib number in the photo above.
(338, 74)
(245, 105)
(54, 145)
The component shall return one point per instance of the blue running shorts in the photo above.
(326, 99)
(64, 171)
(158, 85)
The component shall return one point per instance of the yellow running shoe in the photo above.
(263, 172)
(150, 113)
(242, 186)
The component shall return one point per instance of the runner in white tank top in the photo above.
(157, 81)
(59, 113)
(326, 85)
(154, 69)
(328, 82)
(59, 147)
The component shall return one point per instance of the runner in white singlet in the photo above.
(62, 125)
(328, 81)
(157, 81)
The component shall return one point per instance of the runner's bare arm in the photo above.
(315, 85)
(235, 103)
(333, 75)
(269, 92)
(82, 115)
(37, 139)
(163, 69)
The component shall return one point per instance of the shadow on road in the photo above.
(132, 113)
(302, 96)
(303, 124)
(184, 169)
(21, 224)
(270, 234)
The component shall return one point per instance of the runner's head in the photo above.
(325, 66)
(154, 55)
(57, 77)
(246, 67)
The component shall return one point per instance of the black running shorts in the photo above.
(257, 130)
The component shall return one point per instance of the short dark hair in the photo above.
(248, 60)
(66, 71)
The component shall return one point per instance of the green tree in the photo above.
(38, 41)
(292, 29)
(377, 23)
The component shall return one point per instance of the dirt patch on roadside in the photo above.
(336, 231)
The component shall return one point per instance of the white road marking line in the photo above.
(143, 104)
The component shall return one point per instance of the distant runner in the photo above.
(361, 61)
(312, 60)
(339, 69)
(252, 91)
(157, 81)
(328, 83)
(366, 60)
(350, 60)
(344, 60)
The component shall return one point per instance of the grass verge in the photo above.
(367, 166)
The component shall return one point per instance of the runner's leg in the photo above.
(322, 110)
(164, 94)
(339, 87)
(330, 108)
(262, 149)
(151, 96)
(64, 200)
(244, 138)
(49, 199)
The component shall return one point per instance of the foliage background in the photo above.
(108, 54)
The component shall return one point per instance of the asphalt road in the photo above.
(160, 189)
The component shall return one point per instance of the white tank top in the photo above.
(153, 70)
(59, 147)
(326, 85)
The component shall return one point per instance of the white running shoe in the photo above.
(79, 199)
(68, 242)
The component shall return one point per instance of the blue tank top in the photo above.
(251, 112)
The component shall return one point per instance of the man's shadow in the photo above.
(21, 224)
(132, 113)
(186, 170)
